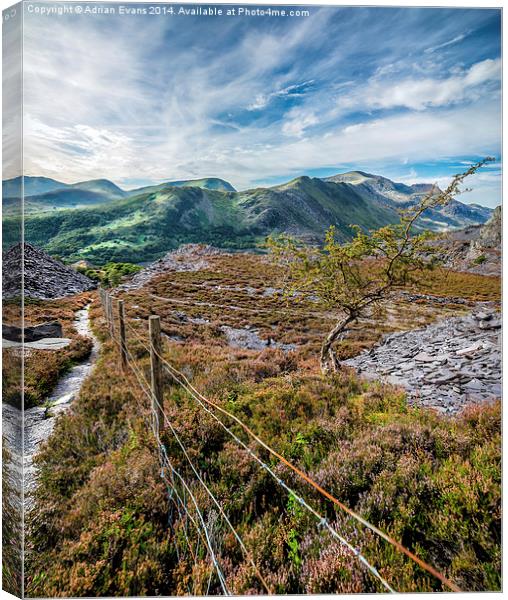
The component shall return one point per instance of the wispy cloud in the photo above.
(291, 91)
(421, 93)
(298, 121)
(454, 40)
(149, 99)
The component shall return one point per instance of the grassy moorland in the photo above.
(104, 523)
(43, 368)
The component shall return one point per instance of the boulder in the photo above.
(33, 333)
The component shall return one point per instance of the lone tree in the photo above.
(354, 277)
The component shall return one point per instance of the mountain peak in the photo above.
(101, 186)
(208, 183)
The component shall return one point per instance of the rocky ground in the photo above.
(476, 249)
(444, 366)
(44, 277)
(249, 339)
(189, 257)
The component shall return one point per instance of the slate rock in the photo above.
(44, 277)
(32, 333)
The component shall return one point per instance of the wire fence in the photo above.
(120, 329)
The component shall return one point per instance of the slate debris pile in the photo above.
(427, 298)
(188, 257)
(44, 277)
(444, 366)
(476, 249)
(249, 339)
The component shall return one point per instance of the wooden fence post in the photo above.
(123, 343)
(111, 316)
(106, 308)
(154, 324)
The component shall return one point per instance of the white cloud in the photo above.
(109, 103)
(419, 94)
(294, 90)
(298, 121)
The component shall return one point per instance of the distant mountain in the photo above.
(399, 195)
(208, 183)
(32, 186)
(375, 184)
(44, 194)
(99, 186)
(306, 207)
(143, 224)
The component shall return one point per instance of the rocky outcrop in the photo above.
(44, 277)
(475, 249)
(444, 366)
(188, 257)
(490, 233)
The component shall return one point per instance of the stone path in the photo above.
(189, 257)
(38, 422)
(444, 366)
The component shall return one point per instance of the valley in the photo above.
(99, 222)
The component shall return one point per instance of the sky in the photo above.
(411, 94)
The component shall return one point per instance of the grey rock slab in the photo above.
(43, 344)
(494, 324)
(424, 357)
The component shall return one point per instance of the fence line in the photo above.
(322, 521)
(156, 400)
(165, 462)
(154, 350)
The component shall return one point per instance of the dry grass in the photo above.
(479, 288)
(240, 291)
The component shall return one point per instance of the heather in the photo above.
(106, 524)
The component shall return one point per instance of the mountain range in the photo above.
(98, 221)
(44, 194)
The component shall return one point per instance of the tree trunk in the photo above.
(328, 359)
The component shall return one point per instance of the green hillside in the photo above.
(98, 221)
(43, 194)
(142, 227)
(206, 183)
(11, 188)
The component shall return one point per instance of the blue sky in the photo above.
(412, 94)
